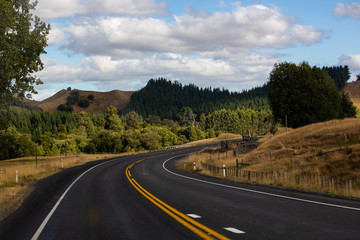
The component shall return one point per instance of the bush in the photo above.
(61, 108)
(91, 97)
(14, 144)
(106, 141)
(83, 103)
(72, 98)
(65, 108)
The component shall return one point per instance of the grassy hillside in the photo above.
(326, 154)
(328, 149)
(353, 89)
(102, 100)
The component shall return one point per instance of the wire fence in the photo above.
(311, 182)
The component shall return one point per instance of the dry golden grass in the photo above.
(328, 150)
(353, 90)
(12, 194)
(331, 148)
(228, 136)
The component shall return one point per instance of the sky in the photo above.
(104, 45)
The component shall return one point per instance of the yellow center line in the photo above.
(196, 227)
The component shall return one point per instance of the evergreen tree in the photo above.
(165, 99)
(339, 74)
(349, 110)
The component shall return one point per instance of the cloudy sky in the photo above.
(104, 45)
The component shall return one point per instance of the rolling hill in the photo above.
(102, 100)
(159, 99)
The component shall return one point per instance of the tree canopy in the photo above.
(60, 132)
(303, 94)
(22, 41)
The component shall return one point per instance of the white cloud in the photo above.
(56, 35)
(52, 9)
(222, 3)
(352, 60)
(351, 10)
(254, 26)
(216, 50)
(243, 71)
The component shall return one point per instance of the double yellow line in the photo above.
(196, 227)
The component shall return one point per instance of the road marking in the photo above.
(234, 230)
(258, 192)
(193, 215)
(46, 220)
(196, 227)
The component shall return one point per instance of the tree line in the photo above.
(60, 132)
(164, 98)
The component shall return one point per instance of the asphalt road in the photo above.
(145, 197)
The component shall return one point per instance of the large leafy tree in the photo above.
(22, 41)
(303, 94)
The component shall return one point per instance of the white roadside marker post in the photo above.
(194, 166)
(224, 170)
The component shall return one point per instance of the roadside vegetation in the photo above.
(30, 132)
(317, 155)
(320, 157)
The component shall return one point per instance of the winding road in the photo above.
(145, 197)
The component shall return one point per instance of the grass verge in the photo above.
(13, 193)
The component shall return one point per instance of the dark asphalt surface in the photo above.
(104, 205)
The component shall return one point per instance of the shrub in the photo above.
(72, 98)
(83, 103)
(61, 108)
(14, 144)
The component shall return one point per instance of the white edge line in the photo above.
(43, 224)
(255, 191)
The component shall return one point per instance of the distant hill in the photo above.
(353, 89)
(101, 100)
(164, 98)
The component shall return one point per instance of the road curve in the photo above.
(105, 200)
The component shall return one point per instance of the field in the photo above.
(12, 193)
(322, 157)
